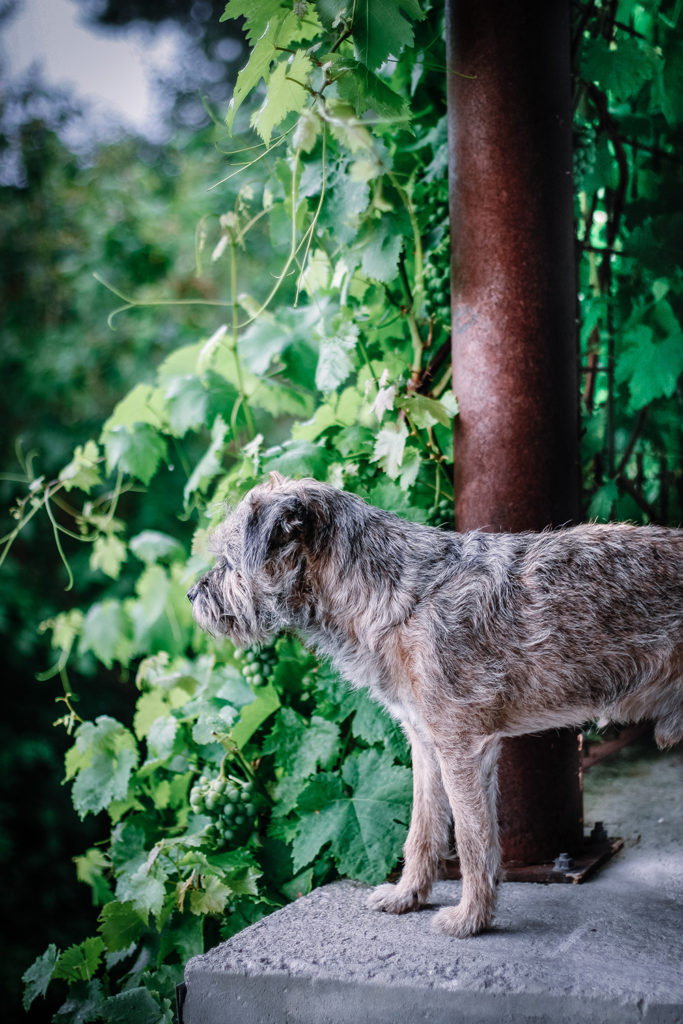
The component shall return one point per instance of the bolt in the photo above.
(598, 834)
(563, 863)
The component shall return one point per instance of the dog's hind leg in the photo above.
(428, 836)
(468, 770)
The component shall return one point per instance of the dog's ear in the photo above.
(272, 523)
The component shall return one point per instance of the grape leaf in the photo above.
(100, 763)
(256, 13)
(150, 706)
(365, 90)
(424, 411)
(106, 631)
(120, 924)
(238, 869)
(334, 361)
(152, 589)
(65, 628)
(83, 1005)
(82, 472)
(603, 501)
(410, 467)
(108, 554)
(381, 250)
(651, 367)
(301, 747)
(389, 448)
(36, 978)
(380, 30)
(286, 93)
(185, 937)
(128, 844)
(265, 702)
(365, 829)
(264, 341)
(349, 197)
(138, 451)
(262, 55)
(671, 84)
(298, 458)
(324, 418)
(186, 401)
(79, 962)
(389, 495)
(209, 466)
(141, 888)
(622, 70)
(212, 898)
(90, 868)
(144, 404)
(134, 1006)
(153, 546)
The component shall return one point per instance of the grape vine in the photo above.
(247, 777)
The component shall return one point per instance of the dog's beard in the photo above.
(223, 606)
(211, 617)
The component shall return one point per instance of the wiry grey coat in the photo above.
(465, 638)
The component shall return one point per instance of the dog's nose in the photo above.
(192, 592)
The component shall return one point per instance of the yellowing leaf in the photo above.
(286, 93)
(389, 447)
(108, 554)
(82, 471)
(212, 898)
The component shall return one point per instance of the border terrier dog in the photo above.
(465, 638)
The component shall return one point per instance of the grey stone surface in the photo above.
(610, 950)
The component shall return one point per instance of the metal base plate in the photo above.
(585, 863)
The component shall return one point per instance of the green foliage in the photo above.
(627, 170)
(246, 777)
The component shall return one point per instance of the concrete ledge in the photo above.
(607, 951)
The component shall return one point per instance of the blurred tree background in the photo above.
(130, 206)
(135, 213)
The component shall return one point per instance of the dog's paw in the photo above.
(394, 899)
(460, 922)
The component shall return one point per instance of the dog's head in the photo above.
(260, 583)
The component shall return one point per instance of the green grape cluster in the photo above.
(432, 203)
(437, 277)
(585, 152)
(442, 514)
(230, 802)
(258, 665)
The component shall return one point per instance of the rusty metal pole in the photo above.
(514, 351)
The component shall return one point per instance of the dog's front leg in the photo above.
(427, 839)
(468, 771)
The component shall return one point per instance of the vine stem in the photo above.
(232, 345)
(415, 295)
(130, 303)
(295, 248)
(60, 549)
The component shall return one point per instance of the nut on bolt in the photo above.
(563, 863)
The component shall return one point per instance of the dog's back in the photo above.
(543, 629)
